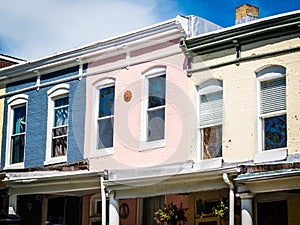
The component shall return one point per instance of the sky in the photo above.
(32, 29)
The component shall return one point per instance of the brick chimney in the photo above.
(245, 13)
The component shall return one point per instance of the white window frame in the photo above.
(207, 87)
(60, 90)
(17, 100)
(104, 83)
(154, 72)
(265, 75)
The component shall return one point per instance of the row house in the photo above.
(246, 84)
(104, 133)
(5, 61)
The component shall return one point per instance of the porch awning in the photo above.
(53, 182)
(269, 181)
(175, 178)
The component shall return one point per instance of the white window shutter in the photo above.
(273, 95)
(211, 108)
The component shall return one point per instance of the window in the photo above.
(210, 118)
(151, 205)
(58, 119)
(60, 126)
(154, 106)
(272, 110)
(105, 119)
(17, 108)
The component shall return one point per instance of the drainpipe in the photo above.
(103, 201)
(231, 198)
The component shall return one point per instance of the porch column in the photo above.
(12, 204)
(247, 209)
(113, 210)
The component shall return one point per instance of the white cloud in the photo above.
(35, 28)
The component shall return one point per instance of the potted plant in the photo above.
(171, 215)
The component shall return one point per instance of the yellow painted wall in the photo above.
(239, 95)
(2, 91)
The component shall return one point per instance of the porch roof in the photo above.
(167, 179)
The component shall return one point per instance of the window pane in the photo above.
(105, 133)
(157, 91)
(212, 142)
(275, 132)
(60, 131)
(211, 108)
(273, 95)
(156, 125)
(106, 104)
(61, 116)
(19, 119)
(17, 148)
(61, 102)
(59, 146)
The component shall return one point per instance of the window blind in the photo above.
(273, 95)
(211, 108)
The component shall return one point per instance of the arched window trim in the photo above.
(269, 73)
(98, 85)
(13, 102)
(55, 93)
(209, 90)
(150, 73)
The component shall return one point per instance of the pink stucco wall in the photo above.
(127, 122)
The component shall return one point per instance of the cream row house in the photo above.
(246, 84)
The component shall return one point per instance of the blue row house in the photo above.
(42, 142)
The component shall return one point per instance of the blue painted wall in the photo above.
(37, 109)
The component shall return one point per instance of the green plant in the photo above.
(171, 214)
(222, 211)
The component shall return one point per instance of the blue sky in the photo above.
(37, 28)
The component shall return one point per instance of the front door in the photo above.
(272, 213)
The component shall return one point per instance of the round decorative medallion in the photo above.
(127, 96)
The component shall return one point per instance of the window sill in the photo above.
(208, 164)
(102, 152)
(15, 166)
(152, 145)
(55, 160)
(270, 155)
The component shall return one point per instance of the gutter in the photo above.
(237, 61)
(80, 76)
(261, 176)
(223, 39)
(145, 34)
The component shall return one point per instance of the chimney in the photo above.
(245, 13)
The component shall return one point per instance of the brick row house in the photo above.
(182, 113)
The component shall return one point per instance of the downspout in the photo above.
(231, 197)
(103, 200)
